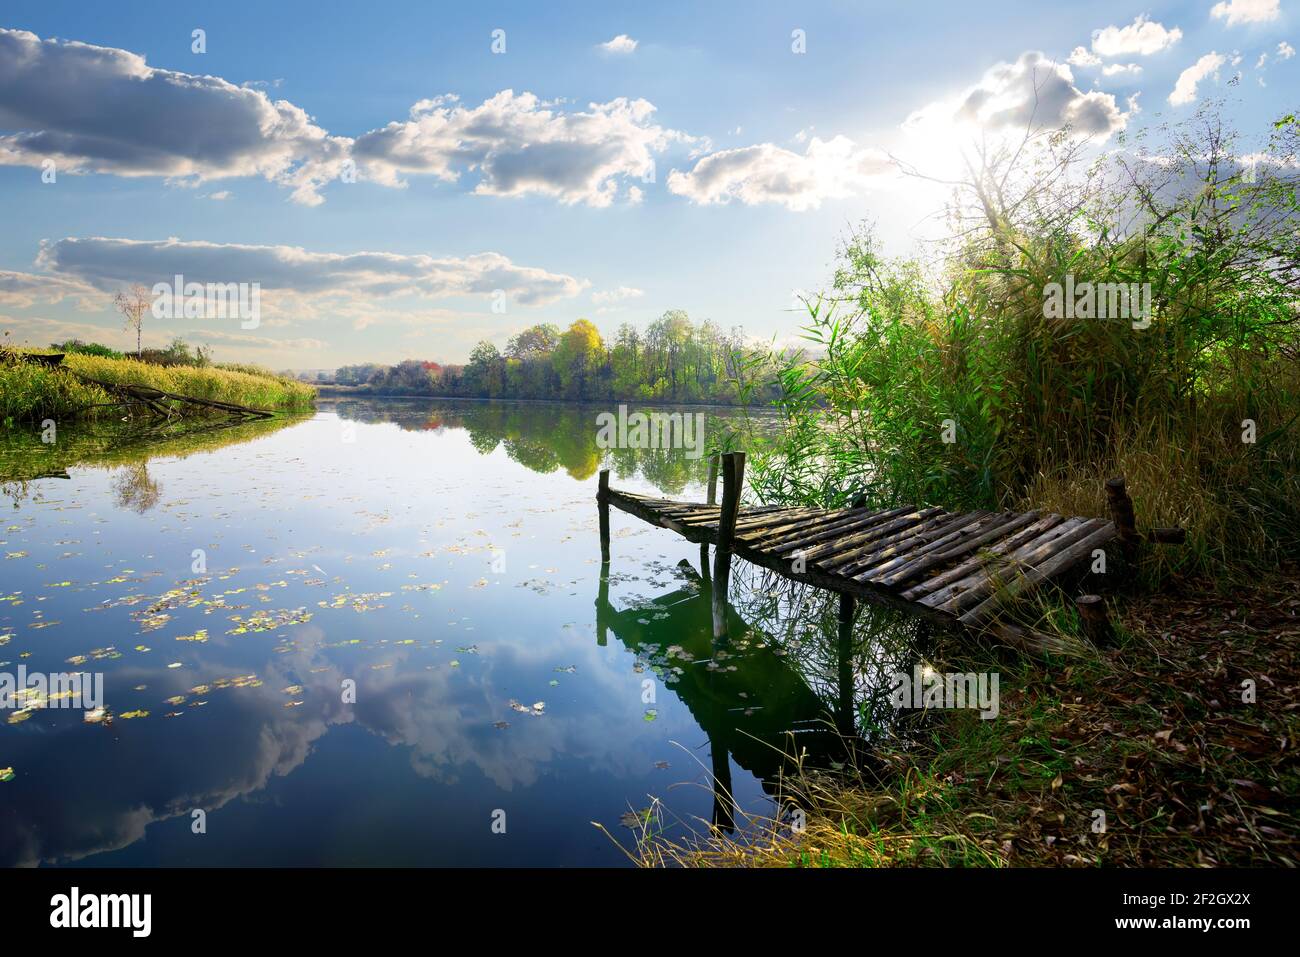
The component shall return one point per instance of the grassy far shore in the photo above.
(33, 393)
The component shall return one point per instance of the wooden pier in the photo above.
(956, 568)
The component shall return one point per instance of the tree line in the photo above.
(672, 360)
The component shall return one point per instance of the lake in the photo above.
(378, 635)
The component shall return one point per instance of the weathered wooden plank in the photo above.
(789, 519)
(752, 516)
(979, 573)
(941, 553)
(880, 539)
(1008, 544)
(858, 543)
(906, 549)
(1099, 533)
(1064, 535)
(862, 519)
(906, 553)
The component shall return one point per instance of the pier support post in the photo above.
(602, 500)
(713, 479)
(844, 718)
(1121, 513)
(733, 478)
(1095, 619)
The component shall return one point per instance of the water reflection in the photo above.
(372, 561)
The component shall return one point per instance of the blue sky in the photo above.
(232, 165)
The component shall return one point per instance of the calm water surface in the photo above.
(443, 560)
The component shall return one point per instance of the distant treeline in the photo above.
(673, 360)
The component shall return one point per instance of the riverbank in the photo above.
(32, 393)
(1172, 749)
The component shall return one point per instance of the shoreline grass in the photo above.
(32, 393)
(1144, 755)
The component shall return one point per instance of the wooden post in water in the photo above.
(712, 500)
(733, 479)
(1121, 512)
(1095, 619)
(602, 500)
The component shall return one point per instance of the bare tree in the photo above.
(133, 304)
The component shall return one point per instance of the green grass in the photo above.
(33, 393)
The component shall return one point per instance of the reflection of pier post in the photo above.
(602, 606)
(724, 804)
(844, 722)
(602, 500)
(733, 477)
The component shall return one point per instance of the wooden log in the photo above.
(1121, 513)
(1094, 618)
(1168, 536)
(1033, 642)
(713, 479)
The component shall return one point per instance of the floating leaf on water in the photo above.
(6, 774)
(95, 716)
(651, 714)
(636, 819)
(128, 715)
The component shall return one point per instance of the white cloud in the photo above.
(621, 44)
(99, 109)
(108, 263)
(220, 195)
(519, 145)
(606, 296)
(1285, 51)
(21, 290)
(766, 173)
(1081, 57)
(253, 342)
(1246, 11)
(1184, 91)
(103, 110)
(1117, 69)
(1141, 37)
(1033, 93)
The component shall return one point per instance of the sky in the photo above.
(401, 180)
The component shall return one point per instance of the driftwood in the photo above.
(153, 398)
